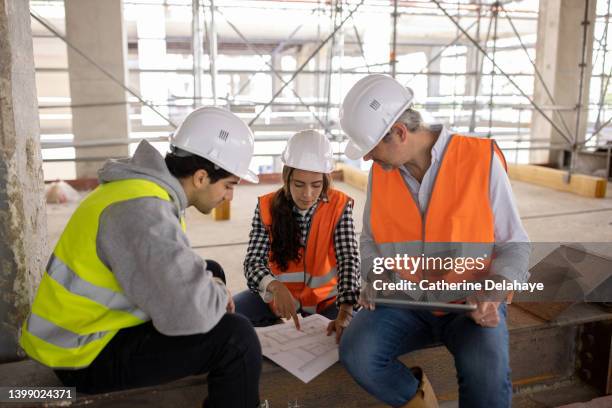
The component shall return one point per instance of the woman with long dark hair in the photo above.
(302, 256)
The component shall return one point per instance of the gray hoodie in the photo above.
(142, 242)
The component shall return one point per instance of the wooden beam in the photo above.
(581, 184)
(353, 176)
(222, 211)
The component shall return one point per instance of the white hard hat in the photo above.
(219, 136)
(369, 110)
(309, 150)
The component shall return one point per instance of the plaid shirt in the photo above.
(256, 262)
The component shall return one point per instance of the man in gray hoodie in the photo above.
(124, 301)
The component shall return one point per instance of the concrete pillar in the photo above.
(22, 209)
(473, 83)
(96, 28)
(558, 55)
(433, 81)
(275, 62)
(243, 78)
(306, 84)
(473, 64)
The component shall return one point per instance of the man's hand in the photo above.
(345, 314)
(366, 297)
(231, 307)
(284, 304)
(486, 313)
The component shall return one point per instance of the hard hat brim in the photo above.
(329, 167)
(353, 152)
(250, 176)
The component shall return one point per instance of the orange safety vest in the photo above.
(313, 280)
(458, 222)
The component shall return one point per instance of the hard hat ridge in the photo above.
(369, 110)
(309, 150)
(219, 136)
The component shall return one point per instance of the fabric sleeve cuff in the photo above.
(263, 288)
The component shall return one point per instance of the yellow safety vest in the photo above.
(79, 305)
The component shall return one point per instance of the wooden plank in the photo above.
(580, 184)
(222, 212)
(540, 353)
(353, 176)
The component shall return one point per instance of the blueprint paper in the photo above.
(305, 353)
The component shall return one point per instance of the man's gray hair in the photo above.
(413, 120)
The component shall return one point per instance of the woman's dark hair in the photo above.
(181, 165)
(285, 230)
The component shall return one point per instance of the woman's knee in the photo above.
(246, 300)
(215, 269)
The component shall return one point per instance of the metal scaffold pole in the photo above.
(196, 43)
(213, 52)
(393, 59)
(574, 146)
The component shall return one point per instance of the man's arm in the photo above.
(141, 241)
(512, 247)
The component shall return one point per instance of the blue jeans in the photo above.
(252, 306)
(371, 345)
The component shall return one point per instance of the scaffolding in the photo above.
(482, 110)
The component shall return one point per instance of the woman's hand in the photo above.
(345, 314)
(284, 304)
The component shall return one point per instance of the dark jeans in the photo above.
(141, 356)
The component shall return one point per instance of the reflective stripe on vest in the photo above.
(308, 279)
(79, 305)
(49, 332)
(458, 221)
(60, 273)
(314, 278)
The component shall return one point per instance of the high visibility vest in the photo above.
(79, 305)
(313, 280)
(459, 219)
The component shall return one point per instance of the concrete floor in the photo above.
(548, 216)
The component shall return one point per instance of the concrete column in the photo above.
(473, 63)
(433, 81)
(242, 79)
(275, 62)
(22, 209)
(96, 28)
(558, 55)
(473, 83)
(306, 84)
